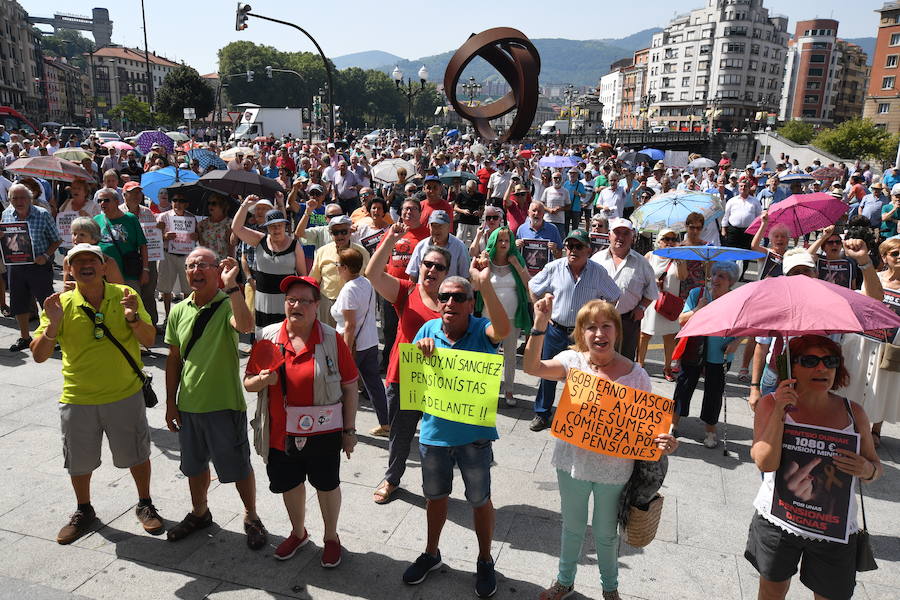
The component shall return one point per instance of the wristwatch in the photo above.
(134, 320)
(232, 290)
(350, 430)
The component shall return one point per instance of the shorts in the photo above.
(220, 436)
(474, 462)
(319, 460)
(827, 568)
(28, 283)
(125, 424)
(171, 269)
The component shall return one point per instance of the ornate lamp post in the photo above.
(410, 91)
(471, 90)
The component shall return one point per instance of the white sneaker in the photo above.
(710, 441)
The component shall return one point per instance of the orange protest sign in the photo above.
(603, 416)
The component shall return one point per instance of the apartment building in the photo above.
(812, 73)
(21, 65)
(882, 104)
(117, 71)
(722, 63)
(851, 95)
(64, 89)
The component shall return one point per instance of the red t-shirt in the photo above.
(483, 175)
(427, 209)
(413, 313)
(299, 368)
(857, 191)
(516, 215)
(403, 250)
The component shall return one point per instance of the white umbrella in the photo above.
(386, 170)
(231, 153)
(177, 136)
(702, 163)
(477, 149)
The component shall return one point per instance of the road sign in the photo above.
(190, 113)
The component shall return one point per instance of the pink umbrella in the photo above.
(48, 167)
(118, 145)
(794, 305)
(803, 213)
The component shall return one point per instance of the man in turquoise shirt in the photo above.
(442, 442)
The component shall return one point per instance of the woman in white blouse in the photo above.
(582, 473)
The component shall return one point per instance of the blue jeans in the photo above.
(574, 495)
(769, 381)
(474, 462)
(555, 342)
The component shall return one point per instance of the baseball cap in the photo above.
(339, 220)
(664, 232)
(315, 188)
(579, 235)
(131, 185)
(877, 185)
(797, 258)
(439, 216)
(331, 145)
(432, 178)
(290, 280)
(81, 248)
(620, 222)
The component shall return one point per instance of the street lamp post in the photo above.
(471, 90)
(715, 101)
(646, 101)
(411, 91)
(569, 94)
(243, 11)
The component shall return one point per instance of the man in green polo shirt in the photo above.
(204, 397)
(101, 392)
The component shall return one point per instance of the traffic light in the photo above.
(269, 72)
(249, 76)
(240, 21)
(337, 114)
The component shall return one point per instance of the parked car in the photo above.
(106, 136)
(65, 133)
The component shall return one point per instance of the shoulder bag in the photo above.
(150, 399)
(132, 263)
(668, 305)
(200, 324)
(865, 558)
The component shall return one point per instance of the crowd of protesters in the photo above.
(466, 245)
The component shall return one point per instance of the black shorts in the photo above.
(27, 284)
(319, 460)
(827, 568)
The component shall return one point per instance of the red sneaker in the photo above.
(288, 548)
(331, 555)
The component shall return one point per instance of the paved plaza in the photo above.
(698, 552)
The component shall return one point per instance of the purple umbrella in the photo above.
(146, 139)
(558, 162)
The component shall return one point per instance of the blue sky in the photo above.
(193, 31)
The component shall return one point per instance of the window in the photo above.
(891, 61)
(810, 113)
(887, 83)
(817, 58)
(820, 46)
(685, 81)
(895, 39)
(684, 96)
(702, 80)
(729, 80)
(883, 108)
(813, 85)
(689, 51)
(754, 65)
(705, 49)
(810, 99)
(731, 63)
(686, 67)
(751, 80)
(754, 49)
(733, 47)
(703, 65)
(815, 72)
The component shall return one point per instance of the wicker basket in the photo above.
(642, 524)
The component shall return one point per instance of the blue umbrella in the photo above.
(654, 153)
(206, 158)
(146, 139)
(558, 162)
(453, 133)
(154, 181)
(670, 210)
(708, 254)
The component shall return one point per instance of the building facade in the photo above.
(851, 95)
(634, 86)
(610, 94)
(812, 73)
(723, 63)
(117, 71)
(882, 103)
(21, 65)
(63, 89)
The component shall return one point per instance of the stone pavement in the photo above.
(698, 552)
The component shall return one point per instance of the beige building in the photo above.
(117, 71)
(851, 95)
(21, 66)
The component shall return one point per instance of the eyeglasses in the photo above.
(810, 361)
(104, 200)
(445, 297)
(491, 217)
(300, 301)
(199, 266)
(335, 232)
(575, 246)
(315, 193)
(98, 331)
(668, 239)
(428, 264)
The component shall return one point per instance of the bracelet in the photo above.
(49, 337)
(232, 290)
(866, 266)
(754, 384)
(134, 320)
(874, 472)
(350, 430)
(537, 332)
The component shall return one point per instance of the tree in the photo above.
(799, 132)
(183, 88)
(67, 44)
(856, 138)
(134, 111)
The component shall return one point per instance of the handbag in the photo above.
(643, 522)
(150, 399)
(865, 558)
(890, 357)
(132, 263)
(668, 305)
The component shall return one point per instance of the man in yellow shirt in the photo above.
(101, 392)
(325, 265)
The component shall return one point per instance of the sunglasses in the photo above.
(340, 232)
(811, 361)
(104, 200)
(433, 265)
(444, 297)
(695, 226)
(574, 246)
(492, 217)
(668, 239)
(894, 254)
(98, 331)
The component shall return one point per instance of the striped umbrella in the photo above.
(670, 210)
(207, 158)
(48, 167)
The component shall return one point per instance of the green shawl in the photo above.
(522, 319)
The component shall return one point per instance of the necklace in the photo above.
(601, 367)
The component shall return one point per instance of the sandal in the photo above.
(669, 377)
(744, 375)
(383, 493)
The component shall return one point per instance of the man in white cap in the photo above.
(102, 393)
(634, 277)
(324, 267)
(439, 226)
